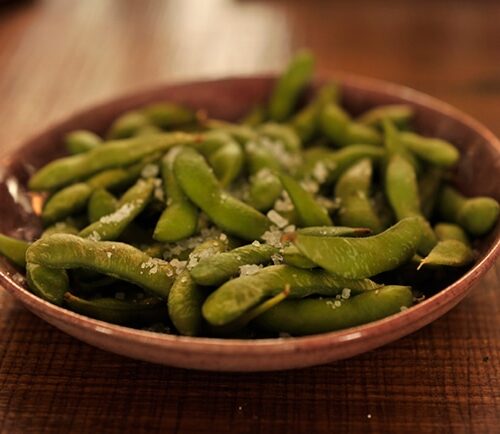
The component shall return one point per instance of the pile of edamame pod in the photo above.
(298, 219)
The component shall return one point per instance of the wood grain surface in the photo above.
(57, 56)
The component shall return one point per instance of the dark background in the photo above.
(57, 56)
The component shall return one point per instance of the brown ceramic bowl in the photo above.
(478, 173)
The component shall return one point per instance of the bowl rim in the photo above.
(415, 317)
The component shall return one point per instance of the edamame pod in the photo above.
(477, 215)
(310, 212)
(353, 190)
(200, 185)
(237, 296)
(357, 258)
(450, 231)
(398, 114)
(217, 269)
(451, 253)
(111, 155)
(133, 202)
(50, 284)
(14, 250)
(168, 115)
(337, 125)
(186, 298)
(127, 125)
(436, 151)
(101, 203)
(311, 316)
(282, 134)
(180, 218)
(66, 202)
(64, 251)
(123, 312)
(290, 85)
(81, 141)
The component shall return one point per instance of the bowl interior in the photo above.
(230, 99)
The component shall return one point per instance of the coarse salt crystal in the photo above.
(249, 269)
(277, 219)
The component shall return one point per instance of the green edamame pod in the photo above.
(429, 185)
(394, 145)
(264, 189)
(217, 269)
(101, 203)
(292, 256)
(241, 133)
(283, 134)
(337, 125)
(64, 227)
(66, 202)
(132, 203)
(402, 192)
(290, 85)
(450, 231)
(306, 122)
(451, 253)
(237, 296)
(50, 284)
(113, 154)
(200, 185)
(186, 298)
(335, 163)
(123, 312)
(356, 258)
(398, 114)
(353, 190)
(435, 151)
(80, 141)
(477, 215)
(311, 316)
(224, 155)
(127, 125)
(180, 218)
(169, 115)
(334, 231)
(310, 212)
(64, 251)
(14, 250)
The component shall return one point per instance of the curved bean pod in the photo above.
(311, 316)
(186, 298)
(218, 269)
(451, 253)
(64, 251)
(435, 151)
(353, 190)
(133, 202)
(306, 121)
(127, 125)
(337, 125)
(180, 218)
(450, 231)
(356, 258)
(123, 312)
(168, 115)
(111, 155)
(200, 185)
(281, 133)
(398, 114)
(310, 212)
(477, 215)
(65, 202)
(50, 284)
(290, 85)
(237, 296)
(101, 203)
(81, 141)
(14, 250)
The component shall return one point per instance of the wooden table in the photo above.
(57, 56)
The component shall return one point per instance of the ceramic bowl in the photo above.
(477, 173)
